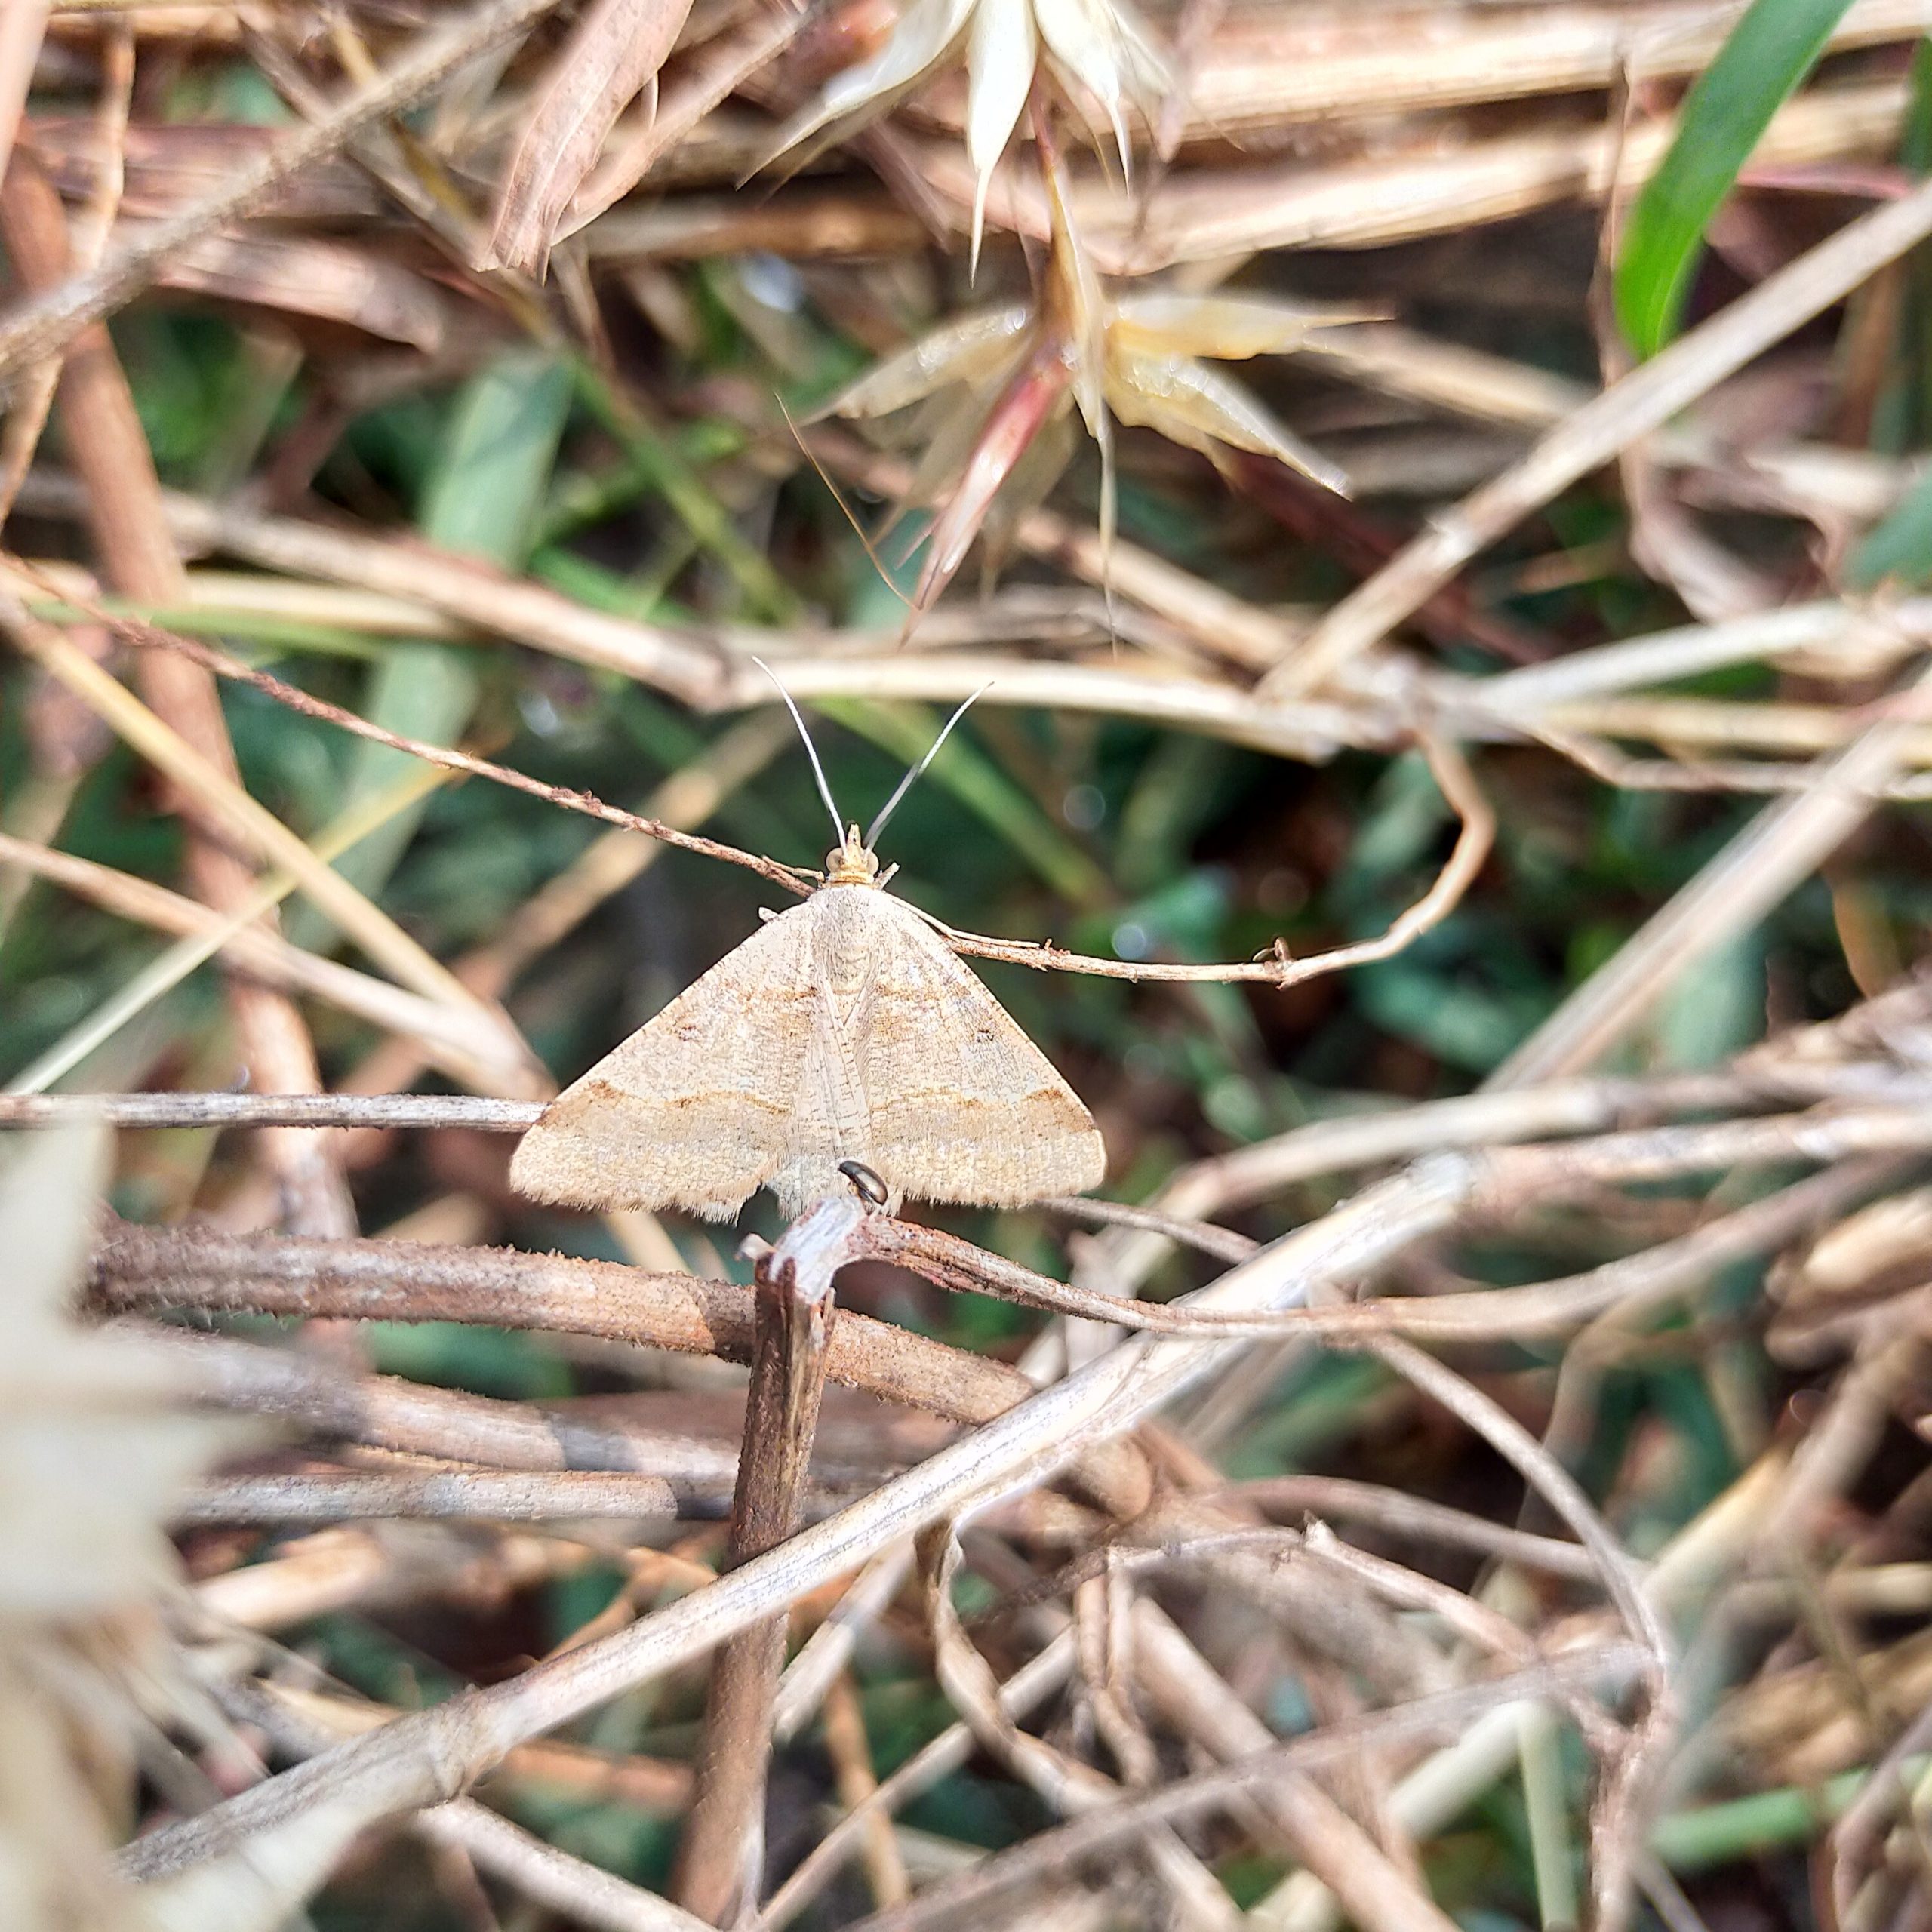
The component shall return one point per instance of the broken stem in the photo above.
(721, 1856)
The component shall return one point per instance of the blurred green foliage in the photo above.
(1765, 57)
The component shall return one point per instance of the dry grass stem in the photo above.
(418, 1760)
(98, 412)
(1209, 214)
(389, 1414)
(1035, 1680)
(823, 1658)
(1452, 772)
(448, 1040)
(1642, 402)
(1320, 1834)
(174, 965)
(372, 929)
(1785, 843)
(309, 1497)
(734, 58)
(1064, 1847)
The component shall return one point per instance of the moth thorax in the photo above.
(852, 863)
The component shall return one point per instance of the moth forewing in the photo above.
(843, 1030)
(692, 1111)
(964, 1107)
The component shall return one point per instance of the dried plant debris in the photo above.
(1099, 51)
(95, 1446)
(1329, 1321)
(613, 55)
(989, 397)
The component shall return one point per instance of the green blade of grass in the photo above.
(1702, 1835)
(1768, 53)
(482, 500)
(653, 455)
(1898, 549)
(1902, 408)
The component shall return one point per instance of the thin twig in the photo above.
(580, 1891)
(792, 877)
(822, 1657)
(1067, 1785)
(1554, 1109)
(1277, 969)
(1316, 1830)
(1400, 1514)
(312, 1496)
(426, 1111)
(1458, 872)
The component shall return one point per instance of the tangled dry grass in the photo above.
(1472, 1461)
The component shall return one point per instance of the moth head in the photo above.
(852, 861)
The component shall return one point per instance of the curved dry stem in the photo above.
(1445, 762)
(1615, 1567)
(1459, 872)
(1065, 1784)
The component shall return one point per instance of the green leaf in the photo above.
(482, 499)
(494, 467)
(1716, 1011)
(1898, 550)
(1769, 52)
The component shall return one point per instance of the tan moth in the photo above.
(844, 1031)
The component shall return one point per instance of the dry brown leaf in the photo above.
(614, 53)
(306, 276)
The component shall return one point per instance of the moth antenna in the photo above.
(811, 751)
(906, 783)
